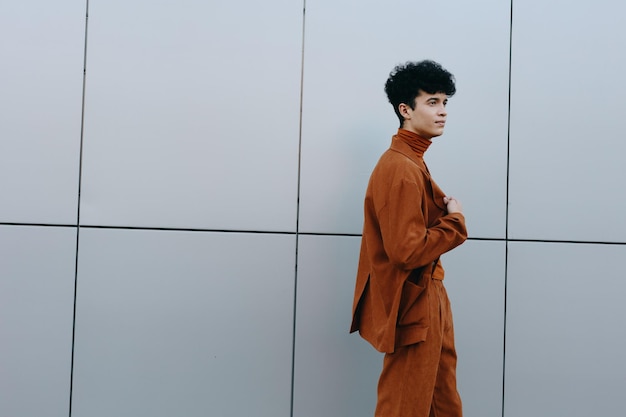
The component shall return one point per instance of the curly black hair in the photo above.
(406, 81)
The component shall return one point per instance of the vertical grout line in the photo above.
(295, 287)
(506, 229)
(80, 172)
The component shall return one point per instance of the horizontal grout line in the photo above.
(574, 242)
(37, 224)
(184, 229)
(330, 234)
(273, 232)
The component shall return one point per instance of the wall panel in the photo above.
(475, 274)
(566, 112)
(192, 114)
(181, 323)
(348, 123)
(565, 333)
(41, 79)
(36, 309)
(335, 372)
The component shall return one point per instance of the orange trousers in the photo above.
(419, 380)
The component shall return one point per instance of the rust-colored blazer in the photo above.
(406, 228)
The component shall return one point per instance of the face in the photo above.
(428, 119)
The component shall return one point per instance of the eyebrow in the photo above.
(435, 98)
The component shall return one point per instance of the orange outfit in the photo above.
(400, 304)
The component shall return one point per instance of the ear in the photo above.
(403, 109)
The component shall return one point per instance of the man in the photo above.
(400, 305)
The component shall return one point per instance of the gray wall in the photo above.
(179, 229)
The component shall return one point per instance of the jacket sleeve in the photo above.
(407, 240)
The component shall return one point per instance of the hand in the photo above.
(453, 205)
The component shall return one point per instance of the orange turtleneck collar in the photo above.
(415, 141)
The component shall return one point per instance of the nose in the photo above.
(443, 111)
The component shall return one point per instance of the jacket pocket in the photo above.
(413, 316)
